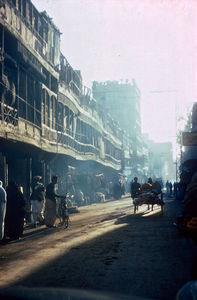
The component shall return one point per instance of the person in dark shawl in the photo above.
(51, 203)
(15, 211)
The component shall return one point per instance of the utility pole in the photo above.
(176, 163)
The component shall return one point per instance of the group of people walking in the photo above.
(43, 201)
(13, 205)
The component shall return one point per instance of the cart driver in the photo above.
(135, 188)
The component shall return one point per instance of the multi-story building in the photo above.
(160, 162)
(49, 122)
(122, 101)
(188, 147)
(29, 85)
(189, 136)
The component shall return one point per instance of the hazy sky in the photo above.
(152, 41)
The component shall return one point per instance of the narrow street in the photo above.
(106, 248)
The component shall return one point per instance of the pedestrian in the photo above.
(135, 188)
(15, 212)
(175, 189)
(37, 201)
(117, 190)
(170, 187)
(3, 200)
(167, 188)
(150, 181)
(51, 203)
(147, 186)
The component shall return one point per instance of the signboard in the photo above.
(189, 138)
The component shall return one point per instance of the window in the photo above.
(24, 8)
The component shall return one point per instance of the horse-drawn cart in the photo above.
(149, 195)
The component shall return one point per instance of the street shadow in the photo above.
(36, 232)
(102, 263)
(99, 263)
(31, 236)
(139, 217)
(112, 217)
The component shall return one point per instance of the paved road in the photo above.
(106, 248)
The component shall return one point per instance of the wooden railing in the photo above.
(8, 114)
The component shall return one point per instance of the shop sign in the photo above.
(189, 138)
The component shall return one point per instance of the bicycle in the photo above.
(63, 212)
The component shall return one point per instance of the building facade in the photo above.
(121, 100)
(160, 163)
(188, 145)
(49, 122)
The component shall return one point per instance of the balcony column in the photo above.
(2, 50)
(43, 164)
(2, 87)
(74, 125)
(79, 130)
(27, 179)
(48, 173)
(28, 176)
(3, 170)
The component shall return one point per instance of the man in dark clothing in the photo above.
(15, 212)
(170, 187)
(135, 187)
(117, 190)
(37, 201)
